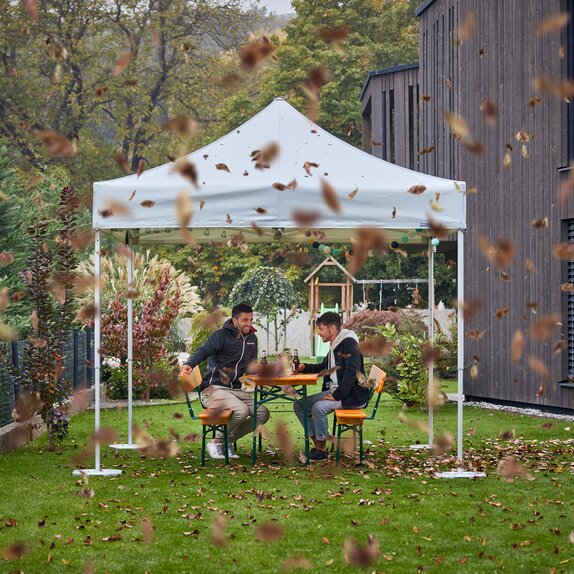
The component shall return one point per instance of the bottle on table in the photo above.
(296, 361)
(264, 361)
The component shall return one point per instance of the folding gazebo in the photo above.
(231, 195)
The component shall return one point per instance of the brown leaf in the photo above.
(56, 144)
(560, 346)
(540, 223)
(334, 35)
(426, 150)
(265, 157)
(538, 366)
(201, 204)
(181, 126)
(15, 551)
(417, 189)
(475, 334)
(356, 555)
(188, 170)
(147, 203)
(437, 229)
(31, 8)
(305, 218)
(544, 327)
(330, 196)
(366, 239)
(467, 28)
(261, 210)
(184, 209)
(141, 167)
(425, 98)
(532, 102)
(218, 530)
(457, 125)
(269, 531)
(122, 63)
(553, 23)
(6, 258)
(254, 52)
(517, 346)
(502, 312)
(122, 161)
(488, 108)
(563, 251)
(308, 165)
(376, 347)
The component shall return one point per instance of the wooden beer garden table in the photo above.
(269, 389)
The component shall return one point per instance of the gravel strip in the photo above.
(531, 412)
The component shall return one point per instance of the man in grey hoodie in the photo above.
(341, 388)
(231, 352)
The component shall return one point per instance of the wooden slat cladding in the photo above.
(499, 62)
(390, 109)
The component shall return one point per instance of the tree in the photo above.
(49, 285)
(270, 293)
(380, 33)
(107, 75)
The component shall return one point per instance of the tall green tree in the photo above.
(380, 33)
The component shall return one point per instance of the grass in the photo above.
(422, 523)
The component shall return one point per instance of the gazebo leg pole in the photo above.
(460, 472)
(97, 470)
(130, 266)
(430, 382)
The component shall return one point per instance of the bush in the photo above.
(158, 381)
(366, 323)
(447, 345)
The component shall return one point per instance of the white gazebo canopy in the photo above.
(230, 189)
(231, 195)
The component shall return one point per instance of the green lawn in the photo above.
(422, 523)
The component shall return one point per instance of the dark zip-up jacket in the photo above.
(350, 361)
(227, 350)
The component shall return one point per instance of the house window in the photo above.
(392, 125)
(570, 304)
(384, 127)
(570, 64)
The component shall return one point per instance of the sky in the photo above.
(277, 6)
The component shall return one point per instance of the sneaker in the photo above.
(316, 454)
(231, 452)
(215, 450)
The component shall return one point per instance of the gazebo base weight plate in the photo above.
(96, 472)
(420, 446)
(124, 446)
(460, 474)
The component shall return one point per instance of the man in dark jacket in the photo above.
(231, 352)
(341, 388)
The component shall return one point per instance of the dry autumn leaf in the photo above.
(330, 196)
(122, 63)
(254, 52)
(553, 23)
(517, 345)
(56, 144)
(417, 189)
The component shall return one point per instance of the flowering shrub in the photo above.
(365, 323)
(149, 331)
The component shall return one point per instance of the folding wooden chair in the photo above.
(212, 420)
(353, 419)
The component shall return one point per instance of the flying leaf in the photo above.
(254, 52)
(553, 23)
(330, 196)
(417, 189)
(147, 203)
(353, 193)
(517, 346)
(122, 63)
(56, 144)
(181, 126)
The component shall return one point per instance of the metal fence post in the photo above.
(75, 358)
(16, 362)
(89, 357)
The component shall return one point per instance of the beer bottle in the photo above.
(296, 361)
(264, 361)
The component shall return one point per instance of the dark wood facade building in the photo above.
(487, 62)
